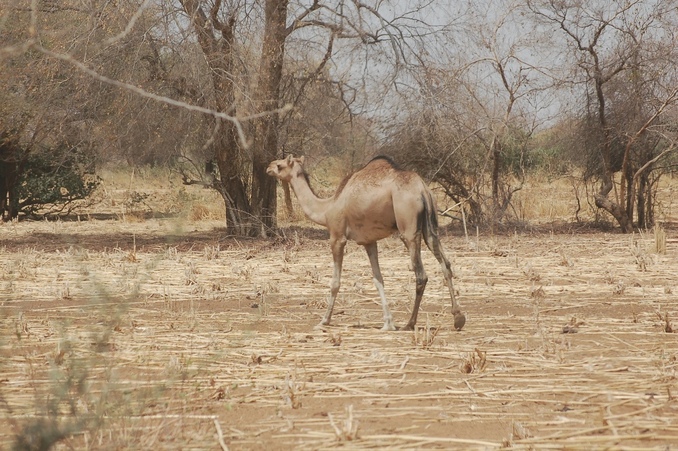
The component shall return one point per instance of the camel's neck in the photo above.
(313, 206)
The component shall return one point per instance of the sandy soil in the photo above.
(167, 335)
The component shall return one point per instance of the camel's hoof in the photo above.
(408, 327)
(322, 327)
(459, 321)
(388, 327)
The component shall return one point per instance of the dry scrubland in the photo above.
(134, 333)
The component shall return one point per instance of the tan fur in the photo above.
(368, 206)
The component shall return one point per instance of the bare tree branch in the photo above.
(130, 24)
(237, 121)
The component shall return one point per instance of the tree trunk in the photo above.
(627, 178)
(496, 162)
(496, 169)
(265, 149)
(651, 201)
(640, 201)
(216, 39)
(617, 212)
(646, 199)
(602, 199)
(230, 184)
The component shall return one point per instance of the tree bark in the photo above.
(617, 212)
(641, 201)
(496, 167)
(265, 149)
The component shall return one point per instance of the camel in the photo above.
(369, 205)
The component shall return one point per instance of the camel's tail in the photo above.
(429, 221)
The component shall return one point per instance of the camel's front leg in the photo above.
(373, 254)
(337, 245)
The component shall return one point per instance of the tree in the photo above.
(474, 112)
(220, 28)
(41, 181)
(138, 46)
(624, 58)
(217, 40)
(505, 88)
(62, 64)
(12, 160)
(242, 164)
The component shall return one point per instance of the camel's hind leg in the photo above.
(337, 245)
(373, 254)
(433, 243)
(413, 245)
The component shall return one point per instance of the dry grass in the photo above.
(136, 195)
(165, 334)
(187, 345)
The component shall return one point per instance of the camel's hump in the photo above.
(377, 171)
(384, 159)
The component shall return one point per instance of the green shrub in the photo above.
(54, 178)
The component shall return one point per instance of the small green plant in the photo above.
(67, 407)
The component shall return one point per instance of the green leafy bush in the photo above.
(54, 178)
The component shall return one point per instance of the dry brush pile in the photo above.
(156, 335)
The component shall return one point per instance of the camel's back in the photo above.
(380, 173)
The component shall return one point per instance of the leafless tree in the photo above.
(64, 72)
(623, 55)
(476, 111)
(339, 33)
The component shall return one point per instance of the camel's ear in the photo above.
(301, 160)
(290, 158)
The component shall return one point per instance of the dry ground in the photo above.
(164, 335)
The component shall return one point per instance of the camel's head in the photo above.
(286, 169)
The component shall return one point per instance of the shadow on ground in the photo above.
(153, 241)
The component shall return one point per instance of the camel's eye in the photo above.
(280, 167)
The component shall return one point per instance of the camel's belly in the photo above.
(369, 219)
(369, 231)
